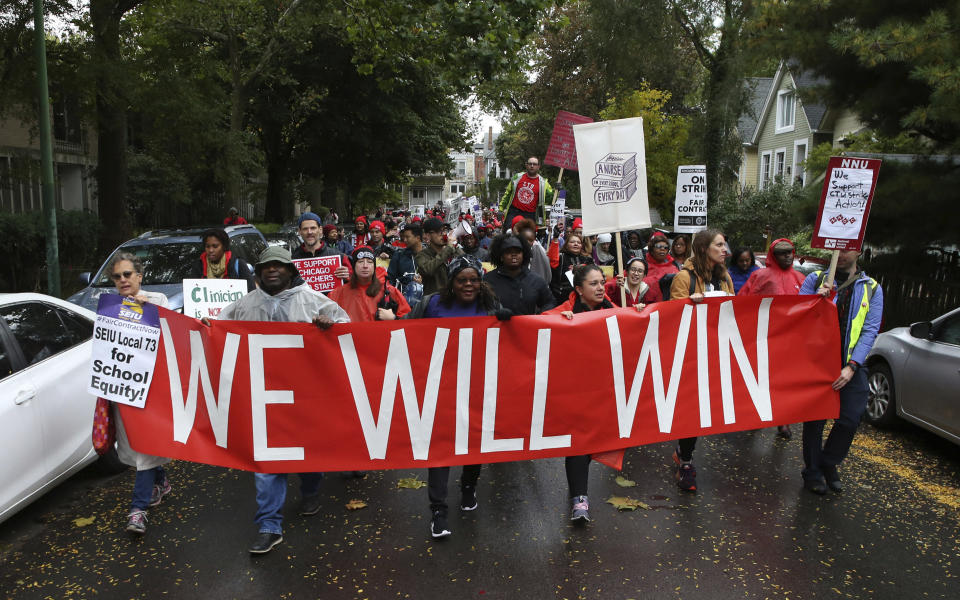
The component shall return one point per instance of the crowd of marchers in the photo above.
(502, 262)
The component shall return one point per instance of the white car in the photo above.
(46, 414)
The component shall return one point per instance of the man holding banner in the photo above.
(525, 194)
(280, 298)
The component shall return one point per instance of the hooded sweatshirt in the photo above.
(773, 280)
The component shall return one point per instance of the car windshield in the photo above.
(162, 263)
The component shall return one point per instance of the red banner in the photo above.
(318, 272)
(288, 397)
(562, 151)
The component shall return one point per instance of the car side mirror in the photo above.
(921, 330)
(84, 278)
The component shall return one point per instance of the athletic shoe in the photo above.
(833, 478)
(265, 542)
(468, 498)
(815, 486)
(438, 525)
(579, 513)
(784, 432)
(686, 473)
(310, 505)
(159, 491)
(137, 521)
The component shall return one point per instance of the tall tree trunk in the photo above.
(277, 156)
(111, 111)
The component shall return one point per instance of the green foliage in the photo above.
(896, 64)
(665, 137)
(154, 182)
(745, 216)
(371, 198)
(23, 244)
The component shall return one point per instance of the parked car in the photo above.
(287, 237)
(46, 414)
(168, 256)
(915, 376)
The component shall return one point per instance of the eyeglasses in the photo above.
(661, 247)
(637, 271)
(123, 275)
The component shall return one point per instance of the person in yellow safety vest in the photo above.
(525, 194)
(859, 301)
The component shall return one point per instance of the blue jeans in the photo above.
(143, 486)
(272, 493)
(817, 453)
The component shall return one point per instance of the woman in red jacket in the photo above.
(659, 263)
(367, 296)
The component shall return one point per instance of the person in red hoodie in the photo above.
(361, 232)
(368, 297)
(659, 263)
(778, 279)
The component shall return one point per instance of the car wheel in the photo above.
(882, 398)
(109, 463)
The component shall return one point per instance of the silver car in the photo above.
(915, 375)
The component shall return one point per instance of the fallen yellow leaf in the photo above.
(411, 483)
(84, 521)
(624, 482)
(355, 504)
(624, 503)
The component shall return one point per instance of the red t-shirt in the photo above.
(527, 193)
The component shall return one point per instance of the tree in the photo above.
(896, 64)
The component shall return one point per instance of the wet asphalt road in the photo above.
(750, 532)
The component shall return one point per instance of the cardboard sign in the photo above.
(422, 393)
(126, 335)
(690, 205)
(318, 272)
(613, 180)
(562, 151)
(207, 297)
(417, 210)
(845, 203)
(558, 212)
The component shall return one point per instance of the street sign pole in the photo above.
(46, 154)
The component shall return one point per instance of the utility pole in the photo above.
(46, 154)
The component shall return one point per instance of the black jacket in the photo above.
(526, 294)
(237, 268)
(560, 285)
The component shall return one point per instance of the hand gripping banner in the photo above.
(288, 397)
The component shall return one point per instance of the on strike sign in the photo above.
(690, 209)
(845, 203)
(125, 339)
(318, 272)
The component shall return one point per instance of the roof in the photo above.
(757, 88)
(803, 80)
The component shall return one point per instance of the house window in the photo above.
(458, 187)
(418, 193)
(764, 169)
(799, 156)
(779, 162)
(461, 169)
(786, 104)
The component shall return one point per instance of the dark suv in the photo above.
(167, 257)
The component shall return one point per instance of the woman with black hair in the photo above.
(517, 287)
(218, 262)
(742, 264)
(588, 296)
(465, 295)
(570, 256)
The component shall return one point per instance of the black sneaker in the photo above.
(310, 505)
(468, 498)
(784, 432)
(265, 542)
(438, 525)
(815, 486)
(832, 477)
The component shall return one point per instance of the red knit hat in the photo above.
(327, 229)
(516, 220)
(577, 223)
(361, 218)
(379, 225)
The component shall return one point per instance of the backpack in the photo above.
(667, 281)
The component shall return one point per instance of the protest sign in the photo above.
(125, 340)
(845, 203)
(207, 297)
(562, 151)
(417, 210)
(613, 176)
(558, 212)
(413, 394)
(690, 204)
(318, 272)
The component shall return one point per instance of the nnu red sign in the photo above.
(287, 397)
(845, 203)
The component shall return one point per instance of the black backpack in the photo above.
(667, 281)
